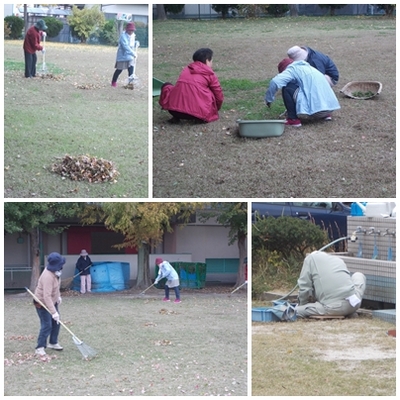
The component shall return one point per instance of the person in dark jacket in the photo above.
(197, 94)
(31, 46)
(83, 264)
(316, 59)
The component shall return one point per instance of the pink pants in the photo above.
(86, 283)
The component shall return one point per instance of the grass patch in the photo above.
(45, 119)
(351, 357)
(145, 346)
(247, 97)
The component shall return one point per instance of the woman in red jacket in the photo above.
(197, 94)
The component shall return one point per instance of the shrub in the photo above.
(279, 246)
(288, 236)
(272, 271)
(278, 10)
(54, 26)
(7, 31)
(108, 33)
(16, 25)
(174, 8)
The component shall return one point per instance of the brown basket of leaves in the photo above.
(86, 168)
(362, 90)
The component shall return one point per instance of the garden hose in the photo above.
(353, 238)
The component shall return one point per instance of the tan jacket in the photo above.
(48, 290)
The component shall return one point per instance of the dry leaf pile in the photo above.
(167, 312)
(164, 342)
(86, 168)
(88, 86)
(51, 76)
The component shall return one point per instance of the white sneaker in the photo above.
(54, 346)
(40, 351)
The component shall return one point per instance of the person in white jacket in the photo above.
(326, 287)
(166, 270)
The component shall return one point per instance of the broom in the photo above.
(66, 283)
(87, 352)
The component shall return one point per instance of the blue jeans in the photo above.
(176, 289)
(48, 327)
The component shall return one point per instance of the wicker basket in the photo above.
(362, 87)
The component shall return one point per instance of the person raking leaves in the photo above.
(48, 292)
(166, 270)
(32, 45)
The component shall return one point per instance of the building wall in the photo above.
(205, 242)
(192, 243)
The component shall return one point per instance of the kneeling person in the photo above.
(326, 279)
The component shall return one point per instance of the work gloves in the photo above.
(59, 300)
(56, 317)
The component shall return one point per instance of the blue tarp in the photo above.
(107, 276)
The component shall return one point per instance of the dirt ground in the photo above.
(351, 156)
(332, 357)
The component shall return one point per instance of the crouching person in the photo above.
(327, 288)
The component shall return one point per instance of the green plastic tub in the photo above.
(157, 87)
(261, 128)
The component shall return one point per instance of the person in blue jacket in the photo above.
(125, 53)
(316, 59)
(305, 91)
(166, 270)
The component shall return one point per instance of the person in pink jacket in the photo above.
(197, 95)
(48, 292)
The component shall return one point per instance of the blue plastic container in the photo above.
(107, 276)
(263, 314)
(355, 209)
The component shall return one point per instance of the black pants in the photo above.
(289, 94)
(30, 64)
(117, 73)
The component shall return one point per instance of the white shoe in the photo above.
(40, 351)
(54, 346)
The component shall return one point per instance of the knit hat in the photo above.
(130, 26)
(55, 262)
(159, 261)
(41, 25)
(84, 253)
(283, 64)
(297, 53)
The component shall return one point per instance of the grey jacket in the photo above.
(326, 277)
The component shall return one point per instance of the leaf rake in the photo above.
(87, 352)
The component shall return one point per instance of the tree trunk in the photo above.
(35, 258)
(143, 277)
(294, 12)
(25, 18)
(161, 14)
(242, 254)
